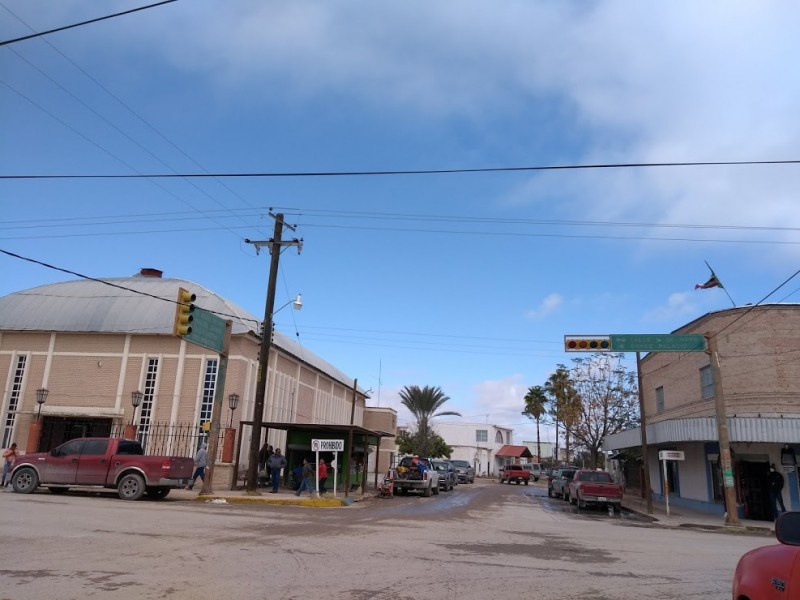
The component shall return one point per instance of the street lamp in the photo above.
(233, 402)
(297, 304)
(41, 398)
(136, 400)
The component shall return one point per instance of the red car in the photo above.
(772, 572)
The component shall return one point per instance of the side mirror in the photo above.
(787, 529)
(54, 452)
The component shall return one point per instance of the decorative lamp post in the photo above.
(136, 400)
(41, 398)
(233, 402)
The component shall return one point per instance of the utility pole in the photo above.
(643, 425)
(274, 245)
(731, 518)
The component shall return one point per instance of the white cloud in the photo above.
(547, 306)
(680, 306)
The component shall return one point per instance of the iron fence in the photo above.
(172, 439)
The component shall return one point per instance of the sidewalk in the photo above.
(680, 516)
(222, 495)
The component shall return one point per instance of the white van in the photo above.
(535, 469)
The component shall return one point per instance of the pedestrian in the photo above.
(775, 483)
(308, 474)
(200, 462)
(322, 474)
(276, 462)
(10, 456)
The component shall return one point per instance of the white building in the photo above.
(476, 442)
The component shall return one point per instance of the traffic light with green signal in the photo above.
(183, 313)
(597, 343)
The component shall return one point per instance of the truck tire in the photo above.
(581, 503)
(436, 491)
(526, 482)
(25, 480)
(427, 491)
(157, 493)
(549, 492)
(131, 487)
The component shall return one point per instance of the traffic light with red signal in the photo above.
(595, 343)
(183, 313)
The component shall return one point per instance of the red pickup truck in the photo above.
(514, 473)
(101, 462)
(594, 487)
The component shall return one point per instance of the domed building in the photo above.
(78, 355)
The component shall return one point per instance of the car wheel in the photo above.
(131, 487)
(25, 481)
(549, 492)
(526, 483)
(581, 504)
(436, 491)
(427, 492)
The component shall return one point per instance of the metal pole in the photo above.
(731, 517)
(263, 358)
(645, 459)
(216, 410)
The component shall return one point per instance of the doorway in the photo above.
(57, 430)
(754, 489)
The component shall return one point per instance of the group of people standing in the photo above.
(271, 462)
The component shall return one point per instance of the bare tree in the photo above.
(608, 400)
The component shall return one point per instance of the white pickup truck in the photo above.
(414, 473)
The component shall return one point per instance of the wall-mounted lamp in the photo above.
(136, 400)
(41, 398)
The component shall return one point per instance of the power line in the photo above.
(412, 171)
(65, 27)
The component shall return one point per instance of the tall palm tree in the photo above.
(535, 402)
(564, 403)
(423, 403)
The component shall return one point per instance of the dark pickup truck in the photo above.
(102, 462)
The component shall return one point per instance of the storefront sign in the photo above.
(327, 445)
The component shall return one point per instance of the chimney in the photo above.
(148, 272)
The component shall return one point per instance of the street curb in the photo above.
(736, 530)
(310, 502)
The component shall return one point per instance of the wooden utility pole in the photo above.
(645, 458)
(731, 516)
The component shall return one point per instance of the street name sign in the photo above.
(327, 445)
(670, 455)
(208, 330)
(643, 342)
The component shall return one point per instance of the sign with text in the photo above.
(670, 455)
(327, 445)
(644, 342)
(208, 330)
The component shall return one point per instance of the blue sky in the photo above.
(464, 281)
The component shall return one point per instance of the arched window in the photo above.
(498, 437)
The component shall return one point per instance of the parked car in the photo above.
(597, 488)
(448, 477)
(415, 473)
(771, 571)
(535, 470)
(558, 484)
(465, 471)
(514, 473)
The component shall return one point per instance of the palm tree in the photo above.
(423, 403)
(564, 403)
(535, 401)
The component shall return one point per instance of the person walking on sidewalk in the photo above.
(775, 483)
(308, 475)
(10, 456)
(322, 473)
(275, 463)
(200, 462)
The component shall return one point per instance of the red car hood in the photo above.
(768, 572)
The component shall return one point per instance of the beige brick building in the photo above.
(759, 351)
(91, 344)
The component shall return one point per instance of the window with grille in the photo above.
(148, 400)
(660, 399)
(207, 403)
(13, 400)
(481, 435)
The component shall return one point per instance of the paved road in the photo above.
(479, 541)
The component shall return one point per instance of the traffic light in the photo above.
(587, 343)
(183, 313)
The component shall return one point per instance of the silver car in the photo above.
(465, 471)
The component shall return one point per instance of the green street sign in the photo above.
(658, 343)
(208, 330)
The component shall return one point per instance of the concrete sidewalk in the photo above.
(680, 516)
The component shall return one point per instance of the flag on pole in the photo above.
(712, 282)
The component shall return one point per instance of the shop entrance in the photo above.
(57, 430)
(754, 490)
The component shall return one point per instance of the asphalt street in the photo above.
(474, 542)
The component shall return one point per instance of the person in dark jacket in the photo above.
(275, 463)
(308, 477)
(775, 483)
